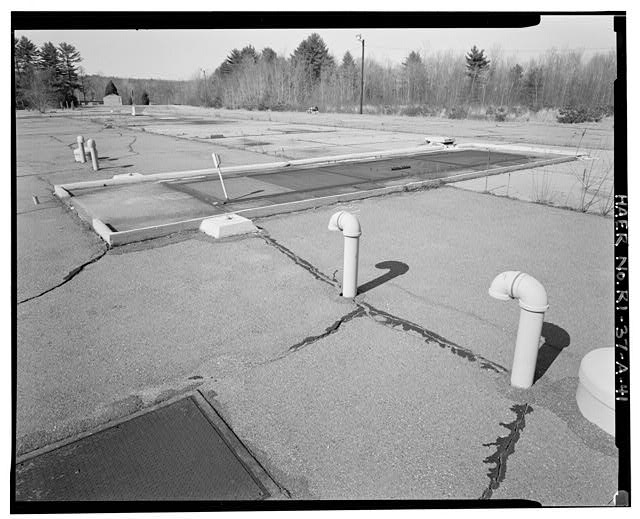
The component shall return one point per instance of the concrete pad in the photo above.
(584, 185)
(227, 225)
(450, 270)
(552, 465)
(131, 206)
(368, 413)
(143, 324)
(50, 244)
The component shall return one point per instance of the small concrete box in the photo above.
(227, 225)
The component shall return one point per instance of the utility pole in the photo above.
(205, 87)
(361, 39)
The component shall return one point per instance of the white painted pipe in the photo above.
(133, 110)
(532, 298)
(216, 163)
(94, 154)
(350, 227)
(83, 156)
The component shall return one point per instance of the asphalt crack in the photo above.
(395, 322)
(330, 330)
(70, 275)
(505, 446)
(321, 276)
(130, 146)
(358, 312)
(380, 316)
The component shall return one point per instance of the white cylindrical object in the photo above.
(94, 154)
(525, 355)
(133, 110)
(350, 273)
(532, 298)
(350, 227)
(83, 156)
(596, 388)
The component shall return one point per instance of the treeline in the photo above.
(45, 76)
(158, 91)
(426, 85)
(50, 77)
(443, 83)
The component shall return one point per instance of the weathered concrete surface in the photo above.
(445, 288)
(584, 185)
(368, 404)
(453, 254)
(414, 405)
(597, 135)
(134, 326)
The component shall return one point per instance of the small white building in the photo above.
(112, 100)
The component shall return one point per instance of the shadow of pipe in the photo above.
(395, 269)
(556, 339)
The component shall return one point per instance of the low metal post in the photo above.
(94, 154)
(83, 156)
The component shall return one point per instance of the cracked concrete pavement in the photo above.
(401, 393)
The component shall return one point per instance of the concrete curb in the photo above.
(115, 238)
(253, 168)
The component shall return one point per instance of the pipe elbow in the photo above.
(529, 292)
(345, 222)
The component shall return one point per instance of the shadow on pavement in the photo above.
(556, 339)
(395, 269)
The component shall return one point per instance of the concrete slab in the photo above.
(50, 244)
(133, 206)
(259, 323)
(558, 466)
(584, 185)
(368, 413)
(145, 324)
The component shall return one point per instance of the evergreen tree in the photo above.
(249, 54)
(110, 89)
(413, 59)
(231, 63)
(69, 57)
(313, 56)
(26, 55)
(477, 67)
(145, 98)
(25, 61)
(268, 55)
(415, 77)
(52, 78)
(350, 78)
(50, 58)
(347, 61)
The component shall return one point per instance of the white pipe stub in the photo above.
(351, 230)
(514, 284)
(532, 298)
(345, 222)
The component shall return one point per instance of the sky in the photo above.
(182, 54)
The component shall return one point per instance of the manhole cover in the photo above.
(177, 452)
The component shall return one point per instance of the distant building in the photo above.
(112, 100)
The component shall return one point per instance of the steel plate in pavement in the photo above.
(172, 453)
